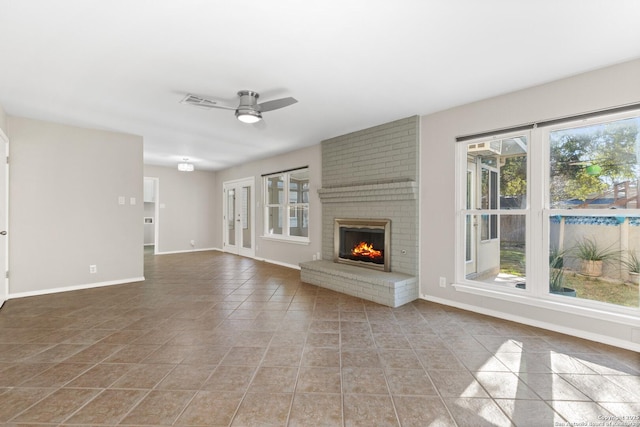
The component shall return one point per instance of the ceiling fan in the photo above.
(248, 109)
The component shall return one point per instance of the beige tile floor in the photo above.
(215, 339)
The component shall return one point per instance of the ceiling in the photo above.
(124, 65)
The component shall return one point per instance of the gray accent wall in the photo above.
(373, 173)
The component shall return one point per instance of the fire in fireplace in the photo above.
(363, 242)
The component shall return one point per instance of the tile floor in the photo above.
(215, 339)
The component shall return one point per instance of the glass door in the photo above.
(238, 217)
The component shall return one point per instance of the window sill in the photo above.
(554, 302)
(286, 240)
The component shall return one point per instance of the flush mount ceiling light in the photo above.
(248, 115)
(185, 166)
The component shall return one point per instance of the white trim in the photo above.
(188, 250)
(76, 287)
(4, 269)
(286, 239)
(282, 264)
(561, 304)
(580, 333)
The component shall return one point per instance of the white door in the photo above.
(4, 223)
(238, 217)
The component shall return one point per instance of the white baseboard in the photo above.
(539, 324)
(282, 264)
(187, 251)
(75, 287)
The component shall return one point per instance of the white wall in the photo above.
(600, 89)
(287, 253)
(189, 209)
(65, 184)
(3, 120)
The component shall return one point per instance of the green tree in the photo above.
(513, 177)
(612, 147)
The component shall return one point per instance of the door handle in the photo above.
(4, 233)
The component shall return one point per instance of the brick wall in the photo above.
(373, 173)
(384, 153)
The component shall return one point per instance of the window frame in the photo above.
(539, 213)
(285, 205)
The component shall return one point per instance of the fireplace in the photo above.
(363, 242)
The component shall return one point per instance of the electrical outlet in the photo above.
(443, 282)
(193, 243)
(93, 269)
(314, 257)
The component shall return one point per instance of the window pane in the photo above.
(484, 188)
(231, 217)
(502, 261)
(513, 180)
(274, 220)
(299, 186)
(494, 227)
(275, 187)
(502, 168)
(595, 166)
(484, 227)
(299, 221)
(596, 257)
(468, 242)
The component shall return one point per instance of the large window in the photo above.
(286, 205)
(555, 218)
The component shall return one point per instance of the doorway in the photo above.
(4, 223)
(238, 227)
(151, 214)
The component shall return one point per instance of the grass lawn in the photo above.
(597, 289)
(512, 261)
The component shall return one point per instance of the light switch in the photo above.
(132, 201)
(121, 200)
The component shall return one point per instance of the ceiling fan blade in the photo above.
(276, 103)
(202, 102)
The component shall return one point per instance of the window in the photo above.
(495, 209)
(555, 218)
(287, 217)
(593, 221)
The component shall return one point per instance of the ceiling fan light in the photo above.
(248, 115)
(185, 167)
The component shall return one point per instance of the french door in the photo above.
(238, 228)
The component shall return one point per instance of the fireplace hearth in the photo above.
(363, 242)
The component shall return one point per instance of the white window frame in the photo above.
(461, 208)
(537, 223)
(285, 208)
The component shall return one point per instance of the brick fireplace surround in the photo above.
(371, 174)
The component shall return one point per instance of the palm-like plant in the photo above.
(556, 270)
(588, 249)
(632, 262)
